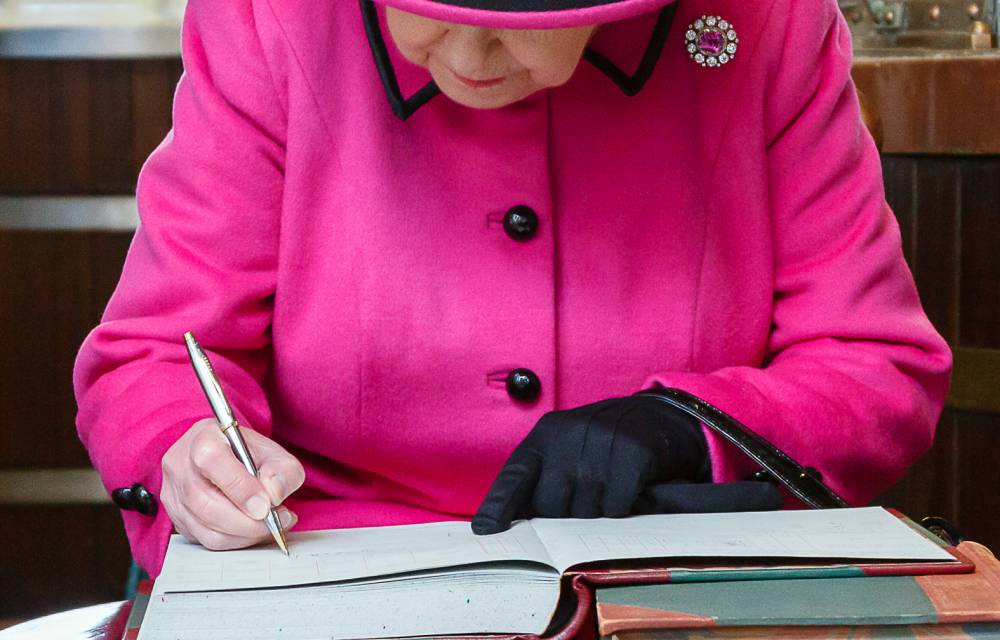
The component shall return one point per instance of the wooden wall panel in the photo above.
(152, 91)
(932, 104)
(980, 275)
(81, 126)
(978, 486)
(27, 130)
(899, 175)
(54, 287)
(949, 210)
(57, 558)
(70, 160)
(67, 127)
(935, 258)
(113, 159)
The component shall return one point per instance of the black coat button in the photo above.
(521, 223)
(123, 498)
(145, 503)
(523, 385)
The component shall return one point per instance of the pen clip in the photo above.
(209, 382)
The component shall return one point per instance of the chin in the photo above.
(482, 102)
(478, 98)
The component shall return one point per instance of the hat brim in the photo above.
(527, 14)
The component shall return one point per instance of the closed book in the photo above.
(970, 631)
(877, 606)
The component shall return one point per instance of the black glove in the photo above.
(686, 497)
(595, 461)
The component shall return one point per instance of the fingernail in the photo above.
(288, 518)
(257, 507)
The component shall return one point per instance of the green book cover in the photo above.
(861, 601)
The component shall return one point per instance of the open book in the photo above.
(440, 579)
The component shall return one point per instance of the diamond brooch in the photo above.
(711, 41)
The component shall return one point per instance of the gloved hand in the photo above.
(594, 461)
(687, 497)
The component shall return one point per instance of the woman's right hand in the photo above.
(213, 500)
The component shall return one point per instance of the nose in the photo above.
(469, 48)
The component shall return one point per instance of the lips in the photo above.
(479, 84)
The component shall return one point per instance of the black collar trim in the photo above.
(402, 107)
(633, 84)
(405, 107)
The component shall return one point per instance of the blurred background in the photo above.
(85, 95)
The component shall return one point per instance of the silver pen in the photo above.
(229, 425)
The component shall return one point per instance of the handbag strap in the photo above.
(803, 483)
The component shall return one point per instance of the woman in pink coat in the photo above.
(400, 295)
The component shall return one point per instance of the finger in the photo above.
(586, 502)
(216, 540)
(203, 533)
(553, 493)
(279, 471)
(197, 532)
(213, 510)
(682, 497)
(170, 502)
(180, 525)
(594, 463)
(509, 495)
(281, 479)
(621, 491)
(286, 517)
(214, 460)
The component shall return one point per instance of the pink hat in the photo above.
(527, 14)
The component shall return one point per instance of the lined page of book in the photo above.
(427, 604)
(869, 533)
(343, 554)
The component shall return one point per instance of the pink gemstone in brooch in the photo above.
(711, 41)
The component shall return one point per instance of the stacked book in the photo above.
(537, 578)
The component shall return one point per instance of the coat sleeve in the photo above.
(855, 375)
(203, 259)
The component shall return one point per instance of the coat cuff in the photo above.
(126, 428)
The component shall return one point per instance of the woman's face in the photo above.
(488, 68)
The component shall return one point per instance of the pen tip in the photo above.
(282, 544)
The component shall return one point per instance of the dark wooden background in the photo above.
(67, 128)
(949, 214)
(85, 127)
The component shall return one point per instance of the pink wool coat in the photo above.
(724, 232)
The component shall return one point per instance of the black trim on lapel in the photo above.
(405, 107)
(631, 85)
(402, 107)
